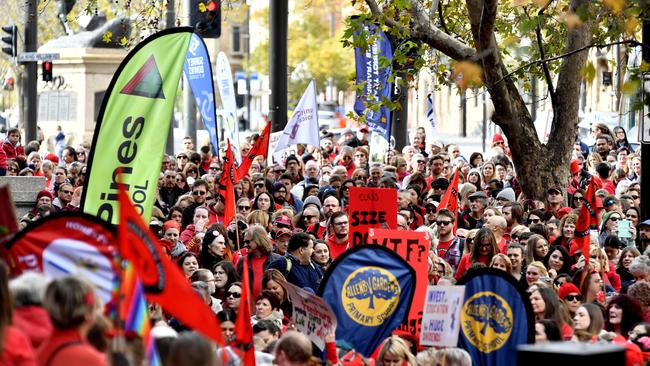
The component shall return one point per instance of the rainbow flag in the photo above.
(133, 311)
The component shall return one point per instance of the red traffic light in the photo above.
(212, 6)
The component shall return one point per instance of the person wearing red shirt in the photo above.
(448, 243)
(485, 247)
(338, 239)
(260, 256)
(12, 147)
(72, 306)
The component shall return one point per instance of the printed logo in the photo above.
(147, 82)
(370, 295)
(487, 321)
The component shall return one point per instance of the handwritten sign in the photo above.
(312, 316)
(371, 208)
(413, 246)
(441, 318)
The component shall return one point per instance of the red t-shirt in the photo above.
(336, 249)
(257, 265)
(443, 246)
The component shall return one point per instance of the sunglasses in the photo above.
(443, 223)
(181, 157)
(236, 295)
(244, 208)
(258, 185)
(573, 297)
(67, 192)
(535, 221)
(199, 193)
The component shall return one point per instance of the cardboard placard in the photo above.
(312, 316)
(413, 246)
(441, 316)
(371, 208)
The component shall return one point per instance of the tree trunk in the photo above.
(538, 166)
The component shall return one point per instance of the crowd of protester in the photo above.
(292, 222)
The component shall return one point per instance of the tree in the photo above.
(481, 37)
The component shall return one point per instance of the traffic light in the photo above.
(205, 17)
(11, 40)
(46, 68)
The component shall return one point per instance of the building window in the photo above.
(236, 39)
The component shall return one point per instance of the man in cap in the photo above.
(42, 208)
(473, 217)
(554, 199)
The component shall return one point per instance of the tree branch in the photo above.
(555, 58)
(426, 32)
(542, 54)
(442, 19)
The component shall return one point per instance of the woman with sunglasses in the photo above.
(259, 251)
(571, 297)
(225, 275)
(191, 170)
(233, 296)
(181, 182)
(609, 225)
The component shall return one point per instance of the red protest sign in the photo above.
(414, 247)
(371, 208)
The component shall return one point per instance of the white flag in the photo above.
(227, 91)
(302, 128)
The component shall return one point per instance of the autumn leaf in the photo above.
(616, 6)
(124, 41)
(202, 7)
(630, 87)
(467, 74)
(107, 37)
(571, 20)
(632, 26)
(588, 72)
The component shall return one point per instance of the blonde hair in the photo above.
(505, 259)
(259, 235)
(539, 265)
(395, 346)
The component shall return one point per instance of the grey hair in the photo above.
(28, 288)
(640, 264)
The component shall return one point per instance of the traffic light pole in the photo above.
(189, 106)
(30, 97)
(279, 24)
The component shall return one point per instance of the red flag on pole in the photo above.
(163, 281)
(227, 183)
(260, 147)
(449, 200)
(587, 221)
(243, 328)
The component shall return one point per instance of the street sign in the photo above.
(35, 56)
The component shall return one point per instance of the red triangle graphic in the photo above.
(147, 82)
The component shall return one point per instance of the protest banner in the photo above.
(230, 124)
(63, 244)
(311, 315)
(413, 246)
(132, 126)
(441, 316)
(371, 208)
(280, 156)
(370, 289)
(496, 317)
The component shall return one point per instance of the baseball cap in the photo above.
(554, 188)
(645, 223)
(479, 194)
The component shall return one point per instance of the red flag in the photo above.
(243, 328)
(163, 281)
(260, 147)
(228, 180)
(449, 200)
(587, 221)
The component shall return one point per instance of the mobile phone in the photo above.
(624, 229)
